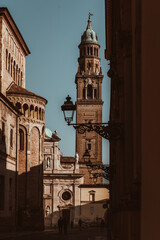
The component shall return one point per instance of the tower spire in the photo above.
(89, 26)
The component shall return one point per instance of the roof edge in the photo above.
(6, 14)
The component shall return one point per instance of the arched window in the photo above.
(84, 94)
(11, 67)
(88, 50)
(95, 93)
(6, 59)
(36, 113)
(9, 62)
(14, 71)
(89, 146)
(18, 105)
(89, 91)
(40, 114)
(25, 110)
(21, 78)
(32, 111)
(91, 51)
(16, 74)
(21, 139)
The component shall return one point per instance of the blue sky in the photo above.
(52, 30)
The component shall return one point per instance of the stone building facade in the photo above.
(89, 99)
(22, 129)
(65, 193)
(61, 181)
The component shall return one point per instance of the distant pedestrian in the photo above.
(60, 224)
(65, 225)
(72, 224)
(80, 223)
(102, 223)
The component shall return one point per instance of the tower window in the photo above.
(21, 139)
(91, 51)
(88, 50)
(89, 91)
(84, 95)
(95, 93)
(89, 146)
(89, 65)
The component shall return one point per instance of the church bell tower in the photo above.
(89, 99)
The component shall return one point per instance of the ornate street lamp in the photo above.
(110, 130)
(68, 109)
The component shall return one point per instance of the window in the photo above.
(84, 95)
(89, 146)
(11, 137)
(92, 196)
(6, 59)
(12, 67)
(21, 79)
(2, 192)
(66, 195)
(91, 51)
(21, 139)
(14, 71)
(89, 91)
(9, 62)
(89, 65)
(88, 50)
(95, 93)
(3, 132)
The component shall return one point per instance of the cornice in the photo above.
(5, 14)
(89, 102)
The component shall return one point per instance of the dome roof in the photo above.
(48, 132)
(89, 36)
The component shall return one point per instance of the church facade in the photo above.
(69, 190)
(22, 120)
(61, 181)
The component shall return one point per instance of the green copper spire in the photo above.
(89, 36)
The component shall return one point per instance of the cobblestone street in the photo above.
(75, 234)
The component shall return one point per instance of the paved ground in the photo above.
(74, 234)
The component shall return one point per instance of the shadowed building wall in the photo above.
(132, 46)
(24, 138)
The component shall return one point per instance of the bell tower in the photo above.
(89, 99)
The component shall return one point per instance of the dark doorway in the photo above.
(66, 215)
